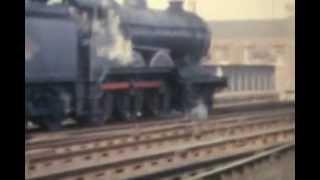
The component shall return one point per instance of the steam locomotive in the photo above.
(96, 60)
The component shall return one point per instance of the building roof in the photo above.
(250, 28)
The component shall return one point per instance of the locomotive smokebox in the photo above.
(175, 5)
(137, 4)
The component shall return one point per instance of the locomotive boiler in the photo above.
(95, 60)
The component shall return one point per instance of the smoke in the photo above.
(110, 41)
(219, 72)
(53, 2)
(199, 112)
(121, 48)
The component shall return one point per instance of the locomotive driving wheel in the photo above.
(158, 102)
(50, 106)
(123, 106)
(137, 103)
(130, 105)
(207, 96)
(153, 103)
(102, 109)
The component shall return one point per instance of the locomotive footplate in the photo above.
(198, 84)
(134, 78)
(131, 85)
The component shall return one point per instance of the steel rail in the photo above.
(193, 169)
(125, 135)
(241, 168)
(219, 113)
(122, 142)
(166, 158)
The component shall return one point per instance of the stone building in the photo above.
(256, 42)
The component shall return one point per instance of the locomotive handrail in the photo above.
(151, 48)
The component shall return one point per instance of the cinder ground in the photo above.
(277, 169)
(284, 169)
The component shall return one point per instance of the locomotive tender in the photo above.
(71, 72)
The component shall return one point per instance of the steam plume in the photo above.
(114, 45)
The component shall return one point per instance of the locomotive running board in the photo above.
(135, 78)
(201, 75)
(130, 85)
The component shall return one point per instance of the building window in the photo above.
(269, 86)
(260, 81)
(250, 81)
(264, 81)
(270, 82)
(259, 54)
(246, 81)
(256, 87)
(231, 83)
(279, 51)
(238, 81)
(246, 53)
(278, 48)
(221, 53)
(243, 79)
(234, 81)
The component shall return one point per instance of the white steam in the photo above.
(121, 48)
(219, 72)
(199, 112)
(114, 45)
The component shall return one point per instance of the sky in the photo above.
(234, 9)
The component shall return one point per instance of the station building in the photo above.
(256, 55)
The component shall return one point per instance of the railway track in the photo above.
(164, 158)
(135, 135)
(72, 156)
(219, 113)
(231, 167)
(244, 168)
(39, 139)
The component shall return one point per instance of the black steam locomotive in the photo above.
(73, 70)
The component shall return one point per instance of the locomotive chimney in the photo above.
(175, 5)
(137, 4)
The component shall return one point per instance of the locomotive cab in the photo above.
(51, 60)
